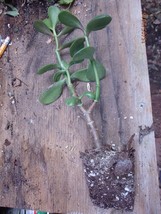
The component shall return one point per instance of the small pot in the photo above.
(110, 177)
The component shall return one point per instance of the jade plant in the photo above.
(79, 50)
(104, 167)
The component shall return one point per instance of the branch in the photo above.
(91, 124)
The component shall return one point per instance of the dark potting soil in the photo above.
(110, 177)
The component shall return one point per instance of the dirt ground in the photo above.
(152, 22)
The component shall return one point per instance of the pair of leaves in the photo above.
(97, 23)
(88, 75)
(49, 24)
(84, 53)
(71, 21)
(77, 50)
(55, 15)
(49, 67)
(74, 101)
(53, 93)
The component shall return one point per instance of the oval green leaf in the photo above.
(100, 70)
(80, 75)
(98, 23)
(73, 101)
(13, 12)
(77, 45)
(66, 30)
(65, 1)
(48, 23)
(89, 94)
(66, 45)
(57, 75)
(85, 53)
(53, 13)
(53, 93)
(46, 68)
(41, 27)
(69, 19)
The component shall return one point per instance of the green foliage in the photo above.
(53, 13)
(13, 10)
(89, 94)
(46, 68)
(66, 30)
(100, 70)
(41, 27)
(57, 76)
(84, 53)
(98, 23)
(69, 20)
(53, 93)
(80, 75)
(73, 101)
(66, 45)
(66, 1)
(77, 45)
(48, 23)
(79, 50)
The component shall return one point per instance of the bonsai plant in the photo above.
(109, 172)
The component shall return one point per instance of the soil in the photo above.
(152, 23)
(110, 178)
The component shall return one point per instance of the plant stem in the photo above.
(69, 83)
(86, 112)
(95, 72)
(91, 124)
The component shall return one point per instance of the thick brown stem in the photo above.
(91, 124)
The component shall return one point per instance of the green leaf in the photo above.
(66, 45)
(98, 23)
(77, 45)
(73, 101)
(100, 70)
(66, 30)
(42, 28)
(53, 13)
(89, 94)
(53, 93)
(80, 75)
(47, 68)
(65, 1)
(48, 23)
(58, 75)
(85, 53)
(69, 19)
(13, 12)
(65, 65)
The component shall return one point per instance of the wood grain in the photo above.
(40, 166)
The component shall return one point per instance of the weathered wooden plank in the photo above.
(39, 162)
